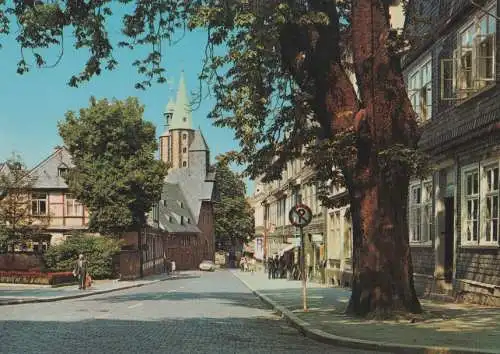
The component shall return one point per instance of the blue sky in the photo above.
(33, 103)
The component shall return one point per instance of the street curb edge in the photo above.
(329, 338)
(69, 297)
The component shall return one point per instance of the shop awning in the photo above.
(288, 248)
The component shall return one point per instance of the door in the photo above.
(449, 222)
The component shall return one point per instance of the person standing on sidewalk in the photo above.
(80, 271)
(172, 264)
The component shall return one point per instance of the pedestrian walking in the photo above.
(172, 265)
(80, 272)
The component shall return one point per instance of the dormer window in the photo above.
(62, 171)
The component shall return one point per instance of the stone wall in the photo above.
(20, 261)
(129, 265)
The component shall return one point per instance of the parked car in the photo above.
(208, 266)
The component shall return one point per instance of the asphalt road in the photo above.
(198, 313)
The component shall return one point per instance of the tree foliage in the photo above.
(116, 175)
(233, 215)
(17, 223)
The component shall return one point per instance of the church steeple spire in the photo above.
(181, 118)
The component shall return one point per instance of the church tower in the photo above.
(179, 133)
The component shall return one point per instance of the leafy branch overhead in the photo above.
(88, 25)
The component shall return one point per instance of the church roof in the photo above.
(199, 143)
(181, 118)
(175, 214)
(170, 108)
(194, 186)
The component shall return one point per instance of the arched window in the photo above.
(184, 136)
(184, 150)
(184, 163)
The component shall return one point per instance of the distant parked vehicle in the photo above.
(208, 266)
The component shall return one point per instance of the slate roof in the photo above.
(194, 185)
(46, 172)
(175, 215)
(198, 143)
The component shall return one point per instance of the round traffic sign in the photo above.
(300, 215)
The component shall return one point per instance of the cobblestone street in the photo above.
(203, 313)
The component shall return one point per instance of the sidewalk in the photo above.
(11, 294)
(444, 327)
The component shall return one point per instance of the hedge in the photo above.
(36, 277)
(98, 251)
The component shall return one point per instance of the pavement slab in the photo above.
(24, 293)
(476, 328)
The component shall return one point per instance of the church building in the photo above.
(185, 210)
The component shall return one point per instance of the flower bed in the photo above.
(36, 278)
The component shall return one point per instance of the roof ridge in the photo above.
(40, 164)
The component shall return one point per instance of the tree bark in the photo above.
(381, 118)
(382, 266)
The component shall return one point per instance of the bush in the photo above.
(98, 251)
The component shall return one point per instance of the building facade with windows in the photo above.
(272, 202)
(51, 203)
(452, 79)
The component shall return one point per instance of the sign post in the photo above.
(300, 215)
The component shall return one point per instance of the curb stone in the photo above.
(328, 338)
(76, 296)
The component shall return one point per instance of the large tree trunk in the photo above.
(382, 118)
(382, 267)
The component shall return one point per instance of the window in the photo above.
(62, 171)
(39, 204)
(184, 163)
(184, 150)
(184, 136)
(156, 212)
(472, 66)
(471, 195)
(73, 207)
(492, 192)
(420, 218)
(420, 90)
(481, 203)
